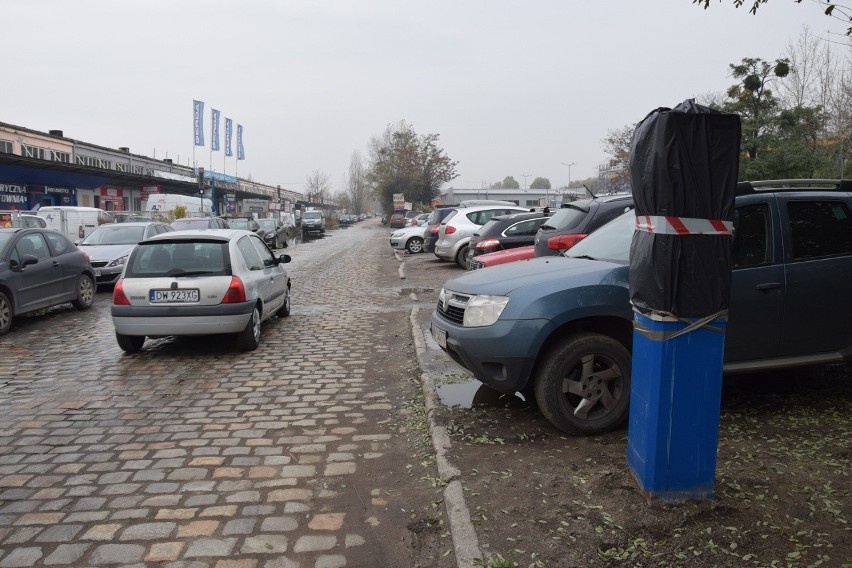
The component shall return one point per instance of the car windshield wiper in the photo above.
(585, 256)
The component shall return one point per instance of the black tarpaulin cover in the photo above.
(683, 163)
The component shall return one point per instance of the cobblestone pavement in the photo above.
(309, 452)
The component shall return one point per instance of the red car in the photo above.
(397, 221)
(558, 244)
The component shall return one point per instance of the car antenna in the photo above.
(590, 191)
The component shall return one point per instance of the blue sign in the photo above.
(198, 122)
(214, 144)
(229, 131)
(241, 152)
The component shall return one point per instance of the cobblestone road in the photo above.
(307, 452)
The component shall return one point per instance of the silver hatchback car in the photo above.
(201, 282)
(458, 227)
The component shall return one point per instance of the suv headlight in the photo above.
(482, 311)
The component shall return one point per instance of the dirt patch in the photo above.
(540, 498)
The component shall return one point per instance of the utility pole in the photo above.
(525, 176)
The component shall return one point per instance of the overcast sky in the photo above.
(511, 87)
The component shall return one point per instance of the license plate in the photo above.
(188, 295)
(440, 336)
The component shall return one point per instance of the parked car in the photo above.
(550, 327)
(345, 219)
(40, 268)
(578, 219)
(416, 221)
(501, 257)
(199, 283)
(409, 239)
(397, 221)
(196, 223)
(108, 246)
(19, 219)
(244, 224)
(274, 232)
(433, 224)
(313, 221)
(458, 227)
(506, 232)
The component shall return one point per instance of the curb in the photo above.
(465, 541)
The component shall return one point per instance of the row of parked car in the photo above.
(192, 277)
(559, 329)
(477, 234)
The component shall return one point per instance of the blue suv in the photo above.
(560, 328)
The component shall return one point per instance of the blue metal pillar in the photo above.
(674, 405)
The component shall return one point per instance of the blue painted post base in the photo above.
(676, 387)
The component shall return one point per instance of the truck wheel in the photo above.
(583, 384)
(5, 313)
(130, 343)
(85, 293)
(461, 257)
(249, 338)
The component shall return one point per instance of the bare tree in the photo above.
(316, 186)
(357, 188)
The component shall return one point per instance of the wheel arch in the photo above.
(612, 326)
(8, 292)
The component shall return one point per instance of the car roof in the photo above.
(204, 234)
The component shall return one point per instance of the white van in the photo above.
(74, 222)
(163, 202)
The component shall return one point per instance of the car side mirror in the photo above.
(27, 260)
(283, 259)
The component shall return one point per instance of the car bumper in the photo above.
(157, 321)
(107, 275)
(444, 252)
(397, 244)
(501, 355)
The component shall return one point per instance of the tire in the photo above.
(249, 338)
(85, 293)
(5, 313)
(583, 384)
(284, 310)
(461, 257)
(130, 343)
(414, 245)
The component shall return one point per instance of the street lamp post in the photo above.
(569, 172)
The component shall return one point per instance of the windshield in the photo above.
(268, 224)
(566, 218)
(313, 215)
(5, 238)
(115, 235)
(238, 223)
(611, 242)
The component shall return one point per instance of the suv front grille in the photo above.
(475, 265)
(452, 309)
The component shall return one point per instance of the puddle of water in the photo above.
(473, 393)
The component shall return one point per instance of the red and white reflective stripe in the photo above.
(666, 225)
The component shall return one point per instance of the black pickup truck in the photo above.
(551, 326)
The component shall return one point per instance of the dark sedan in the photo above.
(40, 268)
(575, 220)
(506, 232)
(274, 233)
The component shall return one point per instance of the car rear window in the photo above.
(115, 235)
(566, 218)
(179, 258)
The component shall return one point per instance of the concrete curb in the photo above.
(465, 541)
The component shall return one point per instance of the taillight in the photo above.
(118, 297)
(236, 292)
(487, 244)
(564, 242)
(449, 230)
(434, 230)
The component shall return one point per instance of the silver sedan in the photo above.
(201, 282)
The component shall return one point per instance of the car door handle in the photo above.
(768, 286)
